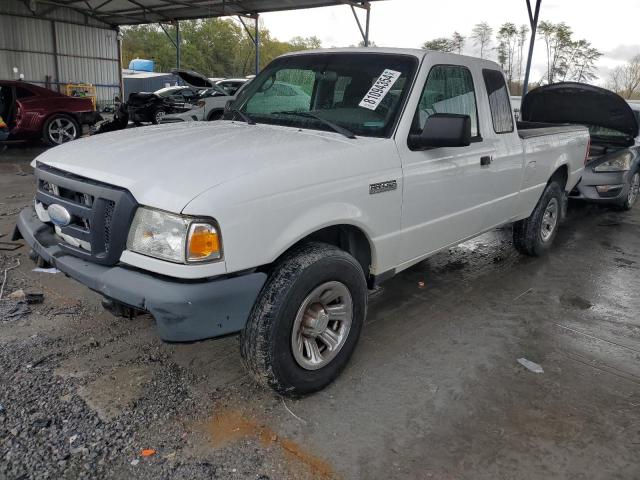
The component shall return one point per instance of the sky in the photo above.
(611, 26)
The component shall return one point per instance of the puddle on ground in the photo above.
(624, 262)
(232, 426)
(575, 301)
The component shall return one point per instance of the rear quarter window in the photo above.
(499, 102)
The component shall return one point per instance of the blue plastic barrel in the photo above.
(141, 65)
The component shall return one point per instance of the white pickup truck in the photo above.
(276, 221)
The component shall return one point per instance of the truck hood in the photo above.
(571, 102)
(166, 166)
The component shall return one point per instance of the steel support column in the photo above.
(363, 31)
(56, 61)
(256, 37)
(120, 78)
(533, 20)
(177, 43)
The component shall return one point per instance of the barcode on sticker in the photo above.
(376, 94)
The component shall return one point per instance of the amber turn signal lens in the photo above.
(204, 242)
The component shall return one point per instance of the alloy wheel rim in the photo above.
(322, 325)
(549, 220)
(634, 190)
(62, 130)
(159, 116)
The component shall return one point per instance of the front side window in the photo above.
(498, 101)
(362, 92)
(448, 89)
(23, 93)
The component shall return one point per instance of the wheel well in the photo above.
(66, 114)
(561, 175)
(348, 238)
(212, 113)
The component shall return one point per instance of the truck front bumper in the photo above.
(184, 311)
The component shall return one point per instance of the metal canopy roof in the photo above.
(133, 12)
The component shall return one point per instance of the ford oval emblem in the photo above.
(59, 215)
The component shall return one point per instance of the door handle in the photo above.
(485, 161)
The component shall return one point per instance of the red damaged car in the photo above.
(31, 112)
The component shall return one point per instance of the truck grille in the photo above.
(100, 213)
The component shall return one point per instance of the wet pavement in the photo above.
(434, 390)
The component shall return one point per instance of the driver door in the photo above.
(446, 190)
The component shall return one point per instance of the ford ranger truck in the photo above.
(331, 172)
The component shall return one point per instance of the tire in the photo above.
(216, 115)
(157, 116)
(60, 128)
(275, 327)
(534, 236)
(634, 192)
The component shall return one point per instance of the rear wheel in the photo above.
(634, 192)
(534, 235)
(307, 320)
(60, 129)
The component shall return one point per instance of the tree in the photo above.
(557, 39)
(523, 34)
(507, 42)
(439, 44)
(579, 61)
(481, 36)
(567, 59)
(214, 47)
(625, 79)
(457, 42)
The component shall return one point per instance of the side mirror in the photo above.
(443, 130)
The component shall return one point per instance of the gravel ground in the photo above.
(84, 393)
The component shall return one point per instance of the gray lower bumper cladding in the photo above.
(184, 310)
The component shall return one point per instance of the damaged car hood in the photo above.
(578, 103)
(166, 166)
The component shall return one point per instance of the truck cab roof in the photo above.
(415, 52)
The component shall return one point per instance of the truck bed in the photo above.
(537, 129)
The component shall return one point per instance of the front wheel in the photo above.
(157, 116)
(533, 236)
(634, 192)
(307, 320)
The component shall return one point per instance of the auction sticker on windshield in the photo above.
(380, 89)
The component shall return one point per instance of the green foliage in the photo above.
(439, 44)
(214, 47)
(454, 44)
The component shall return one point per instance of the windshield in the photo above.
(360, 92)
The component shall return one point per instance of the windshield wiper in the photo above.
(336, 128)
(245, 118)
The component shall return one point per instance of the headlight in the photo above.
(172, 237)
(618, 164)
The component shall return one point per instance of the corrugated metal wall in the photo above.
(85, 51)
